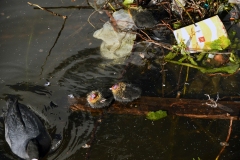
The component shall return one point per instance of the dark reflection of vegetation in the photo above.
(75, 134)
(172, 138)
(6, 96)
(26, 86)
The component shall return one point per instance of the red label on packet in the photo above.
(201, 39)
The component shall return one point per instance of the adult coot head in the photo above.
(24, 132)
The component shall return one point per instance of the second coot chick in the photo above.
(124, 92)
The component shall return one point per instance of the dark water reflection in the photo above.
(74, 66)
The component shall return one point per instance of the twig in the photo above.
(179, 77)
(112, 7)
(55, 14)
(164, 45)
(228, 136)
(67, 7)
(185, 84)
(89, 19)
(112, 20)
(49, 53)
(145, 34)
(185, 11)
(167, 25)
(163, 80)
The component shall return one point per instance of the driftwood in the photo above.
(181, 107)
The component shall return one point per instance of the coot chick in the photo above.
(96, 100)
(24, 132)
(124, 92)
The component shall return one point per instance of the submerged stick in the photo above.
(93, 135)
(185, 83)
(174, 106)
(227, 139)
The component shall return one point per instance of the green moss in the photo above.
(156, 115)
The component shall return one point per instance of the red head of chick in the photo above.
(124, 92)
(96, 100)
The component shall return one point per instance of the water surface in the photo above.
(33, 51)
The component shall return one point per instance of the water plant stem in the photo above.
(185, 84)
(185, 11)
(227, 139)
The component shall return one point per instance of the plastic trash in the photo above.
(234, 1)
(97, 5)
(203, 35)
(116, 44)
(123, 19)
(178, 5)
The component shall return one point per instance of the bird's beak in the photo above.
(110, 88)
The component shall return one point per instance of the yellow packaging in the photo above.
(196, 35)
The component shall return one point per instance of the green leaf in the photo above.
(183, 58)
(218, 44)
(227, 69)
(156, 115)
(192, 61)
(127, 2)
(200, 56)
(177, 25)
(170, 55)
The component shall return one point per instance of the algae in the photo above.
(156, 115)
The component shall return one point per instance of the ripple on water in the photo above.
(76, 133)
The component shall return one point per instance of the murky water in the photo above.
(73, 65)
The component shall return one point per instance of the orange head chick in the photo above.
(96, 100)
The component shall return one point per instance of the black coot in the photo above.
(24, 132)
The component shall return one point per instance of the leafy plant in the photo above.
(219, 44)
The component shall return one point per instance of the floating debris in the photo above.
(71, 96)
(47, 84)
(225, 108)
(86, 146)
(116, 44)
(196, 37)
(224, 144)
(213, 103)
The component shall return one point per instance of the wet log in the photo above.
(174, 106)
